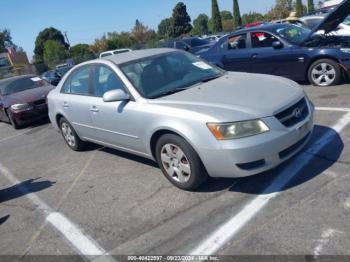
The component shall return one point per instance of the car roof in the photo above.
(265, 27)
(137, 54)
(10, 79)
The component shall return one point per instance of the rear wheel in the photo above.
(12, 120)
(70, 136)
(179, 162)
(324, 72)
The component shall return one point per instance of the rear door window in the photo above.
(79, 82)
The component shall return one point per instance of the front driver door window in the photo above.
(266, 59)
(116, 123)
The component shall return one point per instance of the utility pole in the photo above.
(66, 36)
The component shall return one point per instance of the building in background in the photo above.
(14, 63)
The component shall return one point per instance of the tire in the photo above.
(70, 136)
(179, 162)
(324, 72)
(12, 120)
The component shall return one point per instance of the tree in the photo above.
(216, 22)
(281, 10)
(54, 53)
(226, 15)
(181, 20)
(166, 28)
(200, 25)
(5, 40)
(252, 17)
(142, 34)
(81, 53)
(237, 20)
(299, 9)
(227, 26)
(100, 45)
(45, 35)
(120, 40)
(310, 5)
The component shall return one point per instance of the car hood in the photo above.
(27, 96)
(334, 18)
(237, 96)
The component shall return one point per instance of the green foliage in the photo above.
(200, 25)
(237, 20)
(299, 9)
(54, 53)
(181, 20)
(166, 28)
(45, 35)
(81, 53)
(120, 40)
(252, 17)
(281, 10)
(226, 15)
(227, 26)
(142, 34)
(5, 40)
(216, 22)
(310, 5)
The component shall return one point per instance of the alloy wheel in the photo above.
(68, 134)
(323, 74)
(175, 163)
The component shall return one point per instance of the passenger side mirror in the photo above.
(115, 96)
(277, 45)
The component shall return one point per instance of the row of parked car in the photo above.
(314, 48)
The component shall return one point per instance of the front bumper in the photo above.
(256, 154)
(31, 115)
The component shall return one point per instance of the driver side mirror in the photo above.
(186, 48)
(115, 96)
(277, 45)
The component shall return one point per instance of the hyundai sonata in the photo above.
(193, 118)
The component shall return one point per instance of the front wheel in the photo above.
(324, 72)
(179, 162)
(70, 136)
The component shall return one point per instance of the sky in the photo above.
(86, 20)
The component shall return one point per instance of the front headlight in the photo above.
(17, 107)
(236, 130)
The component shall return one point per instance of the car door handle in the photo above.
(94, 109)
(254, 55)
(65, 105)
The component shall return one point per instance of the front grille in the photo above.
(39, 102)
(294, 114)
(290, 150)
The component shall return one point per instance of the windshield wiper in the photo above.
(205, 80)
(170, 92)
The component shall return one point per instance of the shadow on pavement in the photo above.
(3, 219)
(23, 188)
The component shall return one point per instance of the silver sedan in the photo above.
(194, 119)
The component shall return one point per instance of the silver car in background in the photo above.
(192, 118)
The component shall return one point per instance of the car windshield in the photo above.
(168, 73)
(15, 86)
(197, 42)
(347, 21)
(292, 33)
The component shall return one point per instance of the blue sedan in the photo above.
(286, 50)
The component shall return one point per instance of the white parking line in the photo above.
(83, 243)
(340, 109)
(16, 135)
(229, 229)
(325, 239)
